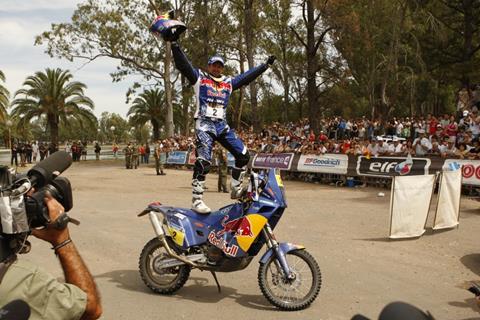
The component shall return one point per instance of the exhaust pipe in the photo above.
(157, 226)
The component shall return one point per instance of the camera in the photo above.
(37, 212)
(20, 209)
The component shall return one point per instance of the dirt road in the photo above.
(345, 229)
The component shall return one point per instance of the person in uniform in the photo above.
(135, 153)
(222, 167)
(128, 155)
(156, 154)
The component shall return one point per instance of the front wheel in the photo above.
(291, 294)
(166, 280)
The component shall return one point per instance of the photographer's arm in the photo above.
(74, 268)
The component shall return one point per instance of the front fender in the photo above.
(285, 247)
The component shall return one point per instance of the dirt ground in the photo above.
(344, 229)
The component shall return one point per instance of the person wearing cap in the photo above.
(395, 148)
(421, 144)
(212, 93)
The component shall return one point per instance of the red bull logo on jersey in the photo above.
(216, 85)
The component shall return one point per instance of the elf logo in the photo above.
(382, 167)
(392, 166)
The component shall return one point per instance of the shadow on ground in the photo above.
(196, 289)
(472, 262)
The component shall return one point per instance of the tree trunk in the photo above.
(168, 90)
(248, 29)
(185, 105)
(156, 130)
(312, 65)
(468, 30)
(53, 125)
(238, 121)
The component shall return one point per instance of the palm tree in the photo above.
(50, 94)
(149, 106)
(4, 95)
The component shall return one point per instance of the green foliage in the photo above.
(350, 57)
(113, 128)
(4, 98)
(52, 95)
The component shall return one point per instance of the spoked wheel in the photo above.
(161, 280)
(291, 294)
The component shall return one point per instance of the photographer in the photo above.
(48, 298)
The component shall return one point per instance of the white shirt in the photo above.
(395, 150)
(419, 142)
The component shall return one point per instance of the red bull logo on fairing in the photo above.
(241, 227)
(222, 244)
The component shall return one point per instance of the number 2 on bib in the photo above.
(215, 111)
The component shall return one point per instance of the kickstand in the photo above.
(216, 281)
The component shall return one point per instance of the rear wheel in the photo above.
(166, 280)
(291, 294)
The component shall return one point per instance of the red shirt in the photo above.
(432, 126)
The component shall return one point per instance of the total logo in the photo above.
(469, 170)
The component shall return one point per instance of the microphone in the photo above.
(47, 170)
(15, 310)
(402, 311)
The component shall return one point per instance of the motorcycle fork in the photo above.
(281, 259)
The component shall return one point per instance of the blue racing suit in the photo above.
(211, 100)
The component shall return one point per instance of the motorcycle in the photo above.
(227, 240)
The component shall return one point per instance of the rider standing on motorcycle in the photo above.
(212, 92)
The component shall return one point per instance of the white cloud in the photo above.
(20, 22)
(18, 6)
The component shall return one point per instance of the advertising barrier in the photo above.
(282, 161)
(340, 164)
(163, 158)
(470, 170)
(392, 166)
(177, 157)
(326, 163)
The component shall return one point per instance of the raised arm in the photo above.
(247, 77)
(183, 64)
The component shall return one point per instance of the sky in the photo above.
(21, 21)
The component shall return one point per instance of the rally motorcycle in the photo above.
(227, 240)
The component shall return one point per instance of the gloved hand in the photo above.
(271, 60)
(171, 35)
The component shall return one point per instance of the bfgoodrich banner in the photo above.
(327, 163)
(281, 161)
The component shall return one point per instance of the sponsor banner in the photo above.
(281, 161)
(192, 158)
(163, 158)
(470, 170)
(392, 166)
(177, 157)
(326, 163)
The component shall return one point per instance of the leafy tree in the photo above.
(4, 98)
(149, 107)
(52, 94)
(113, 127)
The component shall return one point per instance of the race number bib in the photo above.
(215, 111)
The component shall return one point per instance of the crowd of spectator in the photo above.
(418, 136)
(446, 135)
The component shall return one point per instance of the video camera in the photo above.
(22, 210)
